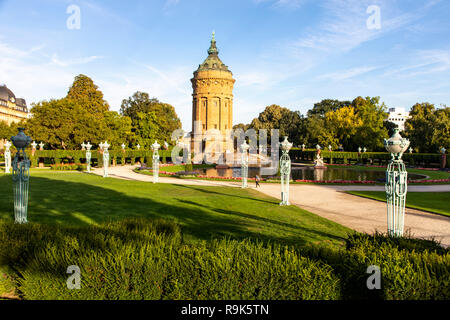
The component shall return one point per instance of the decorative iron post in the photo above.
(7, 157)
(88, 147)
(21, 176)
(396, 184)
(285, 171)
(105, 159)
(244, 163)
(155, 161)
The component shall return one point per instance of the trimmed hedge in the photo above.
(425, 159)
(148, 259)
(79, 156)
(69, 166)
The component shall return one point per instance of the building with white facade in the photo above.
(398, 116)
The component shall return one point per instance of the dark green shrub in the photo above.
(142, 259)
(410, 268)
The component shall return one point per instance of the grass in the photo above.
(77, 199)
(436, 202)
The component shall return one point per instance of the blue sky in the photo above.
(288, 52)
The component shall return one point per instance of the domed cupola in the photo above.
(6, 94)
(213, 62)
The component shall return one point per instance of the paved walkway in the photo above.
(331, 202)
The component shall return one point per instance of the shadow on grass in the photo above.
(294, 227)
(63, 202)
(228, 194)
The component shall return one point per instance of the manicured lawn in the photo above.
(437, 202)
(74, 198)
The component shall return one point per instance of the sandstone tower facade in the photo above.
(212, 103)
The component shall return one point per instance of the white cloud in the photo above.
(344, 26)
(423, 62)
(346, 74)
(73, 61)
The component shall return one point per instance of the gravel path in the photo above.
(331, 202)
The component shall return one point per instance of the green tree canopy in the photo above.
(288, 122)
(64, 124)
(119, 129)
(327, 105)
(428, 128)
(372, 132)
(162, 118)
(84, 92)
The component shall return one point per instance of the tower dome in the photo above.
(213, 62)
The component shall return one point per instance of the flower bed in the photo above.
(430, 181)
(339, 181)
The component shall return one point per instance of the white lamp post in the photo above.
(285, 171)
(155, 158)
(244, 163)
(105, 159)
(88, 147)
(41, 146)
(7, 157)
(396, 183)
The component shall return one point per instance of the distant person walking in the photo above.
(257, 179)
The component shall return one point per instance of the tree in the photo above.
(5, 130)
(327, 105)
(148, 128)
(65, 124)
(371, 133)
(428, 128)
(390, 126)
(341, 126)
(119, 129)
(84, 92)
(242, 126)
(163, 113)
(275, 117)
